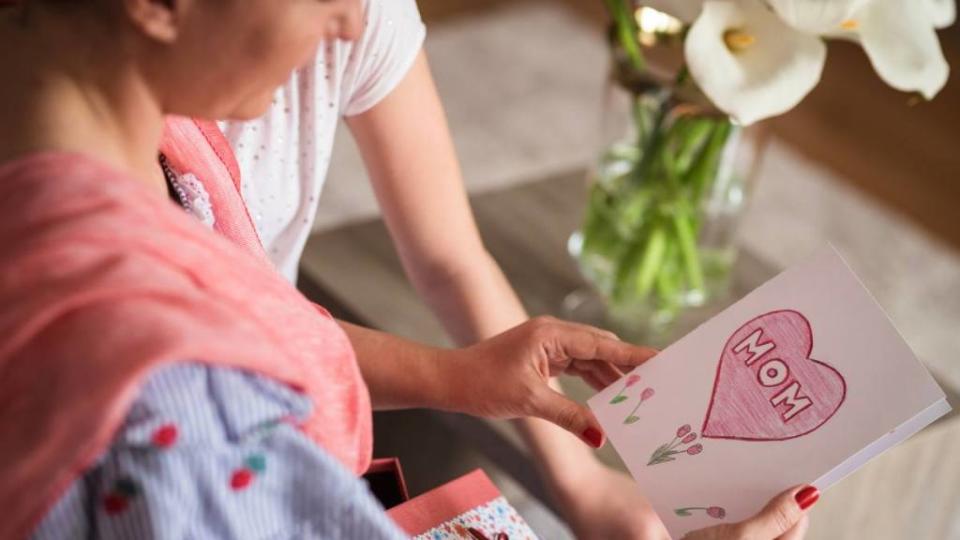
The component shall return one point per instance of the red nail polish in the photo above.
(807, 496)
(593, 436)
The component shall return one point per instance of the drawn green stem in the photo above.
(631, 418)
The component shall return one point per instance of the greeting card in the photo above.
(801, 382)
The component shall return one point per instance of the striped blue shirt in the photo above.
(212, 452)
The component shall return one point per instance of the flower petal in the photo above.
(943, 13)
(816, 16)
(903, 46)
(766, 78)
(685, 10)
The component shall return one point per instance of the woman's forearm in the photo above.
(475, 301)
(419, 185)
(399, 373)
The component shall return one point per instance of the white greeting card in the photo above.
(801, 382)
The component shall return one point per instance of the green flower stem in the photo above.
(652, 261)
(621, 11)
(688, 249)
(704, 170)
(695, 138)
(667, 286)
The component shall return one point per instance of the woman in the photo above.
(158, 379)
(381, 85)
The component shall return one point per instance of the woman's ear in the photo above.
(157, 19)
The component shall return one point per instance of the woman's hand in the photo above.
(784, 518)
(507, 376)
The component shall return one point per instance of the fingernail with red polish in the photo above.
(593, 436)
(807, 496)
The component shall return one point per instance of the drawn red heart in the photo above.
(767, 387)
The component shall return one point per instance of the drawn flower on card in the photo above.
(644, 397)
(677, 447)
(712, 511)
(621, 397)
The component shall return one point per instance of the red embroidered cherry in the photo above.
(165, 436)
(240, 479)
(114, 503)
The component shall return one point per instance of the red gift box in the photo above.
(469, 507)
(385, 478)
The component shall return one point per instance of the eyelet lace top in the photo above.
(187, 190)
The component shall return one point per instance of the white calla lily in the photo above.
(749, 62)
(685, 10)
(902, 44)
(942, 13)
(817, 16)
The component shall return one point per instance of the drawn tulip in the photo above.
(670, 451)
(716, 512)
(620, 398)
(644, 396)
(713, 511)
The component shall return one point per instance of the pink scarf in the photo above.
(102, 281)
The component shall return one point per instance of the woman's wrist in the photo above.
(441, 372)
(399, 373)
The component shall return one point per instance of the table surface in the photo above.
(526, 229)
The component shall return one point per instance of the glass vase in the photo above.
(666, 194)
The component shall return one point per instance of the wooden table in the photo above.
(354, 271)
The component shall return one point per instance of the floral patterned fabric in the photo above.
(495, 520)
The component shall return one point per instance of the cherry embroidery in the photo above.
(118, 499)
(114, 503)
(165, 436)
(241, 478)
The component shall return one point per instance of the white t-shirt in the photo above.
(284, 155)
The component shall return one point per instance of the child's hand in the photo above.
(507, 376)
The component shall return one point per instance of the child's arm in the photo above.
(410, 156)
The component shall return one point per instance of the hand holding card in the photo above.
(783, 518)
(801, 382)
